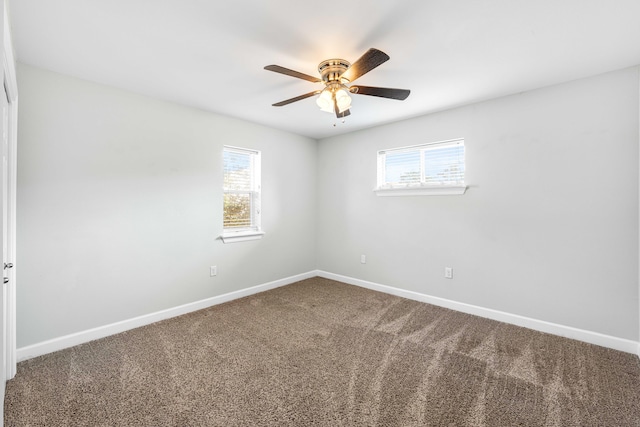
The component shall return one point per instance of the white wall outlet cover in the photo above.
(448, 273)
(363, 259)
(213, 270)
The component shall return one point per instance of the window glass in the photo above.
(435, 164)
(241, 189)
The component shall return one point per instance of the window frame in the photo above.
(422, 188)
(253, 231)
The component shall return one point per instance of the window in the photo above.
(241, 187)
(428, 169)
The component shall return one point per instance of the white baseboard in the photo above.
(71, 340)
(608, 341)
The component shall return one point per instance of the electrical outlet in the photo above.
(448, 273)
(213, 271)
(363, 259)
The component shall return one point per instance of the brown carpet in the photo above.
(323, 353)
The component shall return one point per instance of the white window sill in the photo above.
(441, 190)
(241, 236)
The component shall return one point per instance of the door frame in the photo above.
(11, 87)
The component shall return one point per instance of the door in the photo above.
(4, 186)
(7, 186)
(5, 234)
(8, 166)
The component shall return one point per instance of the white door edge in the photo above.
(11, 87)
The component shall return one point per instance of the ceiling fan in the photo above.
(337, 75)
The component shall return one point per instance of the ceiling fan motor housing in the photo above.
(332, 69)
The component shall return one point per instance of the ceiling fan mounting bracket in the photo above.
(332, 69)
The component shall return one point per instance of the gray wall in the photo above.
(120, 205)
(548, 228)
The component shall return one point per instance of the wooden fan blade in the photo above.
(367, 62)
(292, 73)
(342, 115)
(297, 98)
(382, 92)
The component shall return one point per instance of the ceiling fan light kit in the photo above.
(334, 96)
(336, 76)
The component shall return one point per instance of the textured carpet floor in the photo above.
(323, 353)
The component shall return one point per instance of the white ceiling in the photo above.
(211, 54)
